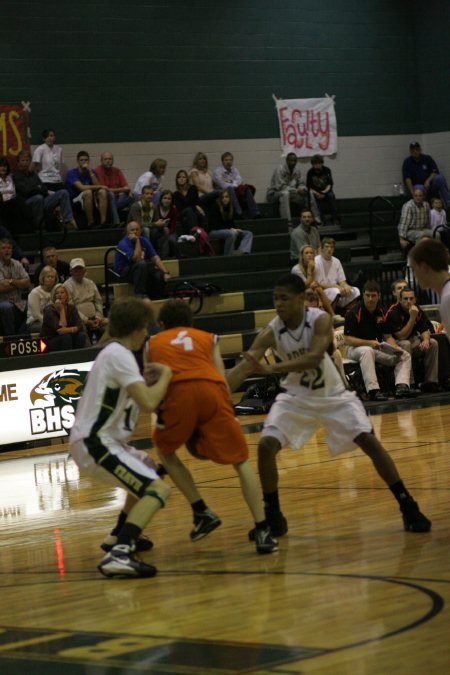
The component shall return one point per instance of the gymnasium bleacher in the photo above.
(367, 245)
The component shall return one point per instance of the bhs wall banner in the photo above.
(307, 126)
(14, 129)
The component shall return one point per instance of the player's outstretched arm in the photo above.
(148, 397)
(236, 375)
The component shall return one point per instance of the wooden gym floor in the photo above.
(348, 593)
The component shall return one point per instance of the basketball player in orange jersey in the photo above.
(197, 412)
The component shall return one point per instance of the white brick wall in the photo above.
(364, 166)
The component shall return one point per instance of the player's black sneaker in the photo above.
(120, 562)
(265, 543)
(204, 523)
(277, 523)
(413, 519)
(142, 544)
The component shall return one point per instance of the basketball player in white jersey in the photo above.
(430, 261)
(314, 396)
(105, 418)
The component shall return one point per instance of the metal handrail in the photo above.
(107, 271)
(44, 240)
(379, 218)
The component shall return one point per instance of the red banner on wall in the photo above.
(14, 129)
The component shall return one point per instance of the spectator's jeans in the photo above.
(66, 342)
(439, 188)
(246, 199)
(148, 281)
(117, 202)
(10, 317)
(159, 236)
(40, 205)
(245, 240)
(329, 198)
(366, 357)
(287, 197)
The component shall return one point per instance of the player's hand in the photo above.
(153, 371)
(413, 310)
(424, 345)
(256, 366)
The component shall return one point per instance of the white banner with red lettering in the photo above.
(307, 126)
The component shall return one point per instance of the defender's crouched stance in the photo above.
(314, 396)
(197, 412)
(105, 418)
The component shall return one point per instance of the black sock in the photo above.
(129, 534)
(262, 525)
(399, 491)
(271, 501)
(161, 470)
(199, 507)
(121, 520)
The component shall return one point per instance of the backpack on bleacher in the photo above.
(258, 398)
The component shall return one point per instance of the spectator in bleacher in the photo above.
(411, 328)
(85, 189)
(365, 330)
(438, 215)
(50, 257)
(305, 269)
(444, 345)
(115, 181)
(30, 187)
(319, 182)
(13, 280)
(62, 327)
(396, 287)
(287, 188)
(415, 221)
(242, 194)
(47, 162)
(39, 297)
(421, 170)
(202, 179)
(143, 210)
(187, 202)
(13, 211)
(153, 177)
(306, 232)
(87, 299)
(221, 226)
(17, 252)
(438, 222)
(163, 233)
(330, 275)
(138, 263)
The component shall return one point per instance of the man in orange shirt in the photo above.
(197, 412)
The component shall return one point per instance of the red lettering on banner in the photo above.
(305, 128)
(13, 130)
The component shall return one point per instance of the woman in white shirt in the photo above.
(39, 298)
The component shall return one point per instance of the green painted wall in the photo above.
(165, 70)
(432, 64)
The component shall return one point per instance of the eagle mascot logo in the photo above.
(58, 388)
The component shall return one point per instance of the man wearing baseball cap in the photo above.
(87, 299)
(421, 170)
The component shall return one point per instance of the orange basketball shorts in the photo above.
(199, 414)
